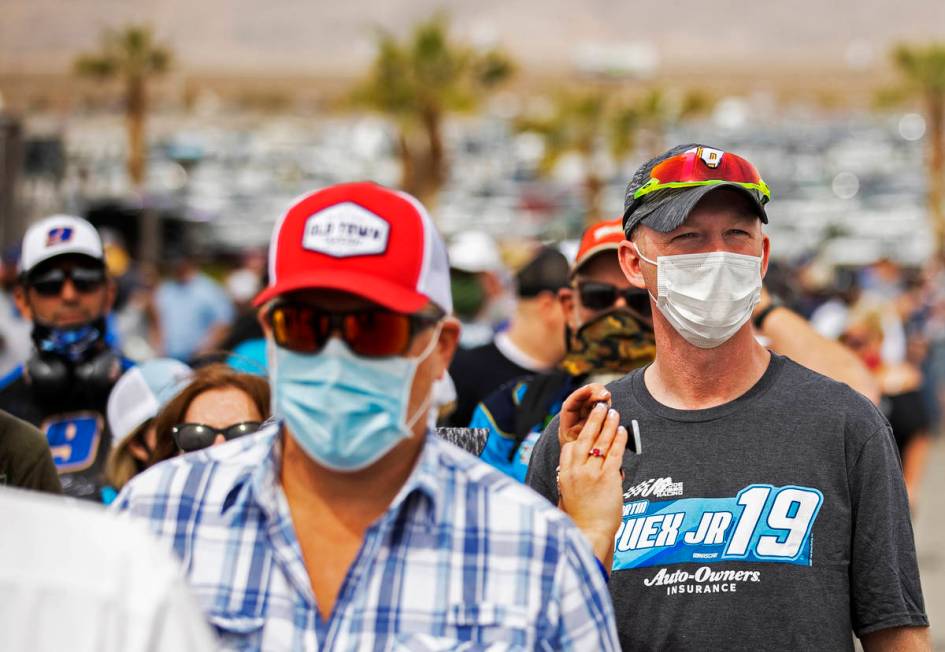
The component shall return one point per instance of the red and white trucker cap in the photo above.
(361, 238)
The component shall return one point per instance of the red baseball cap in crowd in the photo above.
(603, 236)
(362, 238)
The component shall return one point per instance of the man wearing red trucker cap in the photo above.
(348, 525)
(767, 509)
(608, 333)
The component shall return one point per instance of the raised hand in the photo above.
(577, 408)
(590, 484)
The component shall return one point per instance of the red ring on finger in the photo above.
(595, 452)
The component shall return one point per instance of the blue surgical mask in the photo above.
(344, 410)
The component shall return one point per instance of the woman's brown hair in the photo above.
(212, 376)
(122, 465)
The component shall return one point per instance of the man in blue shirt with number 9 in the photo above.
(764, 508)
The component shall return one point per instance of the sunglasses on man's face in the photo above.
(371, 332)
(85, 280)
(194, 436)
(596, 295)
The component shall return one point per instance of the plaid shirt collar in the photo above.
(260, 483)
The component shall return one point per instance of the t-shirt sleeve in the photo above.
(884, 575)
(28, 457)
(42, 474)
(542, 469)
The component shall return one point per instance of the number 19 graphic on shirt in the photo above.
(762, 523)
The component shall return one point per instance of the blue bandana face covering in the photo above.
(344, 410)
(72, 344)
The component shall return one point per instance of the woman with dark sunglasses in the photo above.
(217, 405)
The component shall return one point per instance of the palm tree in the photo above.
(923, 70)
(595, 123)
(586, 123)
(132, 55)
(417, 82)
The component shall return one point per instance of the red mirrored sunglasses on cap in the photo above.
(704, 166)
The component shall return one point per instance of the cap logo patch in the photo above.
(711, 157)
(606, 230)
(346, 230)
(59, 235)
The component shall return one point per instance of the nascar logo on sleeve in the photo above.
(762, 523)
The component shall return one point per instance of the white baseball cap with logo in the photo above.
(59, 235)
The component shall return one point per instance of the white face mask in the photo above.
(707, 297)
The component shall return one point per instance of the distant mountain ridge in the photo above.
(319, 37)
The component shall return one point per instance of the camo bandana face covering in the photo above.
(614, 341)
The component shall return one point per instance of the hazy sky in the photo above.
(316, 36)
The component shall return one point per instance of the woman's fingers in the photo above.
(613, 461)
(577, 408)
(574, 403)
(571, 413)
(598, 394)
(606, 434)
(582, 399)
(591, 430)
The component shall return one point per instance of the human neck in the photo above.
(533, 338)
(686, 377)
(352, 500)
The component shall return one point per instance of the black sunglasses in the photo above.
(194, 436)
(372, 332)
(84, 279)
(601, 296)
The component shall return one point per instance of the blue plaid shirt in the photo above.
(465, 558)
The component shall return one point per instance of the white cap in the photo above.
(56, 236)
(141, 392)
(474, 251)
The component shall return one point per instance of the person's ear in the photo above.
(450, 329)
(267, 331)
(566, 299)
(22, 302)
(630, 260)
(491, 285)
(765, 254)
(550, 306)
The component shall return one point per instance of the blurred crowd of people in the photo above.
(515, 324)
(111, 368)
(893, 318)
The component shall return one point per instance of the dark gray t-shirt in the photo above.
(778, 521)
